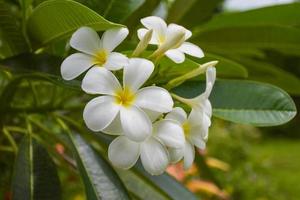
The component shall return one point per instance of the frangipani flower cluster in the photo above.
(141, 117)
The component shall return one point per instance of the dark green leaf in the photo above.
(192, 12)
(264, 37)
(100, 179)
(35, 176)
(289, 15)
(245, 102)
(56, 19)
(12, 41)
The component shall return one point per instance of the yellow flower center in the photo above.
(125, 97)
(100, 57)
(186, 128)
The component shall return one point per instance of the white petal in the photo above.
(153, 115)
(197, 139)
(175, 154)
(113, 37)
(85, 39)
(154, 156)
(173, 29)
(115, 127)
(154, 98)
(158, 25)
(123, 153)
(175, 55)
(116, 61)
(189, 155)
(100, 112)
(135, 123)
(170, 133)
(142, 32)
(191, 49)
(177, 114)
(99, 80)
(74, 65)
(210, 80)
(137, 73)
(188, 34)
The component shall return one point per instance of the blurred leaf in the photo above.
(245, 102)
(143, 11)
(12, 41)
(174, 189)
(35, 176)
(267, 37)
(287, 15)
(267, 72)
(99, 178)
(56, 19)
(192, 12)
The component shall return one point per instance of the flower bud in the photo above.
(142, 45)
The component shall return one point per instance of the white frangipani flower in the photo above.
(196, 125)
(94, 51)
(162, 34)
(123, 152)
(124, 109)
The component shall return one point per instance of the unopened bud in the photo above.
(171, 43)
(142, 45)
(196, 72)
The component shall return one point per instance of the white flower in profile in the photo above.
(124, 109)
(196, 125)
(163, 33)
(123, 152)
(94, 51)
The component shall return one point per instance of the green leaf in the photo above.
(35, 176)
(289, 16)
(168, 184)
(192, 12)
(245, 102)
(99, 178)
(55, 19)
(269, 73)
(12, 41)
(264, 37)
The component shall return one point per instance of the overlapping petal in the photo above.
(74, 65)
(99, 80)
(137, 73)
(142, 32)
(177, 114)
(100, 112)
(175, 154)
(113, 37)
(154, 156)
(154, 98)
(135, 123)
(123, 153)
(86, 40)
(115, 61)
(175, 55)
(158, 25)
(170, 133)
(189, 155)
(191, 49)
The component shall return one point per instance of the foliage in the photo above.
(41, 113)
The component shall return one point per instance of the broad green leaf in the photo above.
(174, 189)
(141, 187)
(99, 178)
(264, 37)
(287, 15)
(12, 41)
(192, 12)
(55, 19)
(269, 73)
(35, 176)
(245, 102)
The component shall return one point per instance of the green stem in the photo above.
(10, 139)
